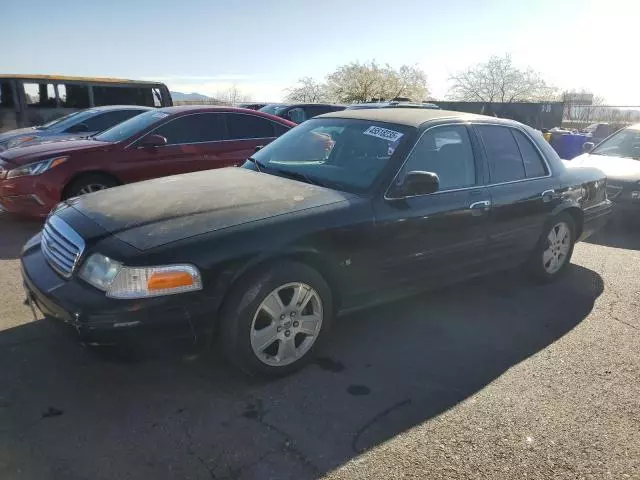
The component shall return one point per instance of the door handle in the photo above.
(547, 195)
(478, 208)
(480, 205)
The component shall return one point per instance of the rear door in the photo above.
(521, 188)
(441, 236)
(245, 132)
(194, 142)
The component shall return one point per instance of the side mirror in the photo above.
(78, 128)
(153, 141)
(419, 183)
(587, 147)
(258, 148)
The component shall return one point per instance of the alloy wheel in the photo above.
(286, 324)
(558, 248)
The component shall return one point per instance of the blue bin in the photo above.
(568, 145)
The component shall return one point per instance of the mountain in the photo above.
(189, 97)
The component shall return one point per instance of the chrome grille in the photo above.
(61, 246)
(613, 191)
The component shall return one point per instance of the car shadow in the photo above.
(619, 235)
(14, 232)
(171, 412)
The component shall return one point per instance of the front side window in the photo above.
(196, 128)
(447, 152)
(40, 95)
(241, 126)
(131, 127)
(345, 154)
(625, 143)
(503, 154)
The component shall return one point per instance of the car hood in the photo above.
(617, 168)
(16, 133)
(156, 212)
(40, 150)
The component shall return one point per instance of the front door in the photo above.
(194, 142)
(436, 238)
(522, 192)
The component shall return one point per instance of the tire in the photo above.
(92, 181)
(252, 316)
(540, 266)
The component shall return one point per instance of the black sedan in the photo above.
(619, 158)
(344, 211)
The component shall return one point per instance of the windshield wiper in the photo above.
(298, 176)
(258, 165)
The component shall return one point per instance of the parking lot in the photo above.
(496, 378)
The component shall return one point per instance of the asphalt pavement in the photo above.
(492, 379)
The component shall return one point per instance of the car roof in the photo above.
(205, 108)
(106, 108)
(413, 117)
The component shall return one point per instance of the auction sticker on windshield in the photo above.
(383, 133)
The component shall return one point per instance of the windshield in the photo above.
(625, 143)
(65, 121)
(274, 108)
(130, 127)
(345, 154)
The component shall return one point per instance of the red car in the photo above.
(165, 141)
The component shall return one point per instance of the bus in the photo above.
(30, 100)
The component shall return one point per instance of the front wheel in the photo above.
(553, 251)
(274, 320)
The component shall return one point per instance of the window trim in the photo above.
(210, 141)
(475, 161)
(512, 127)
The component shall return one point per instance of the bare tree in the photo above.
(498, 80)
(308, 90)
(362, 82)
(233, 95)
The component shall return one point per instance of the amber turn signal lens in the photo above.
(57, 161)
(166, 280)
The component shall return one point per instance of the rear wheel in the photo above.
(89, 183)
(273, 321)
(553, 252)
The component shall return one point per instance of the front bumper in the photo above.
(28, 196)
(99, 319)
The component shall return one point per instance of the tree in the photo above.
(233, 95)
(498, 80)
(308, 90)
(362, 82)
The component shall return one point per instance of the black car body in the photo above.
(80, 124)
(618, 157)
(300, 112)
(350, 235)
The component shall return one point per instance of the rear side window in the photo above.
(108, 119)
(196, 128)
(6, 95)
(241, 126)
(533, 164)
(503, 154)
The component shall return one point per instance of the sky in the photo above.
(264, 46)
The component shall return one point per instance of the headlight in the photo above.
(36, 168)
(119, 281)
(17, 141)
